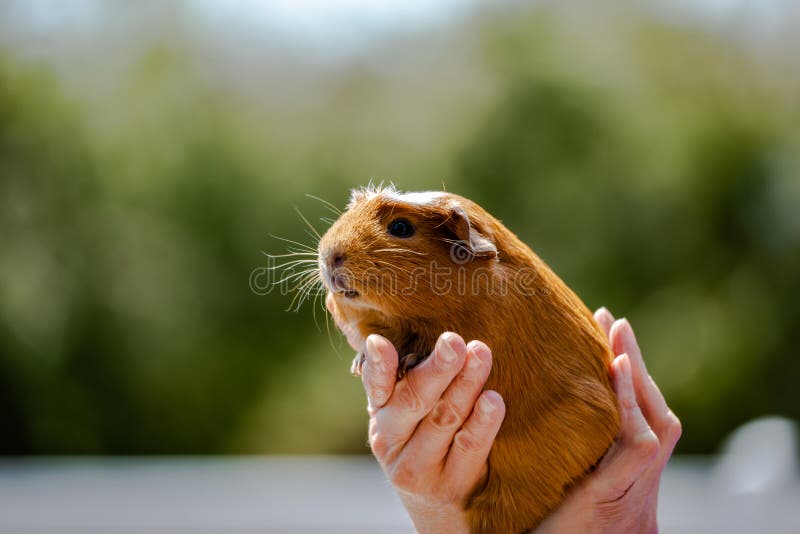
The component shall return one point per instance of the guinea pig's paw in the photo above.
(358, 363)
(408, 362)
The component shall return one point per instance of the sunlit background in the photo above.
(648, 151)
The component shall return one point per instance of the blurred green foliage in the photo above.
(652, 164)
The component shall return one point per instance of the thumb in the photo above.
(379, 371)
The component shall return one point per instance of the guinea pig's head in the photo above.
(397, 253)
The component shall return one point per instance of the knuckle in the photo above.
(468, 442)
(674, 428)
(379, 444)
(408, 397)
(646, 444)
(469, 378)
(444, 416)
(403, 476)
(377, 393)
(627, 402)
(442, 368)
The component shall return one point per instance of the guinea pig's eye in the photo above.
(401, 228)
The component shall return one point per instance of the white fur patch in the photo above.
(417, 197)
(391, 192)
(369, 192)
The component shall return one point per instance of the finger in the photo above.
(604, 320)
(623, 341)
(637, 446)
(658, 414)
(415, 395)
(466, 460)
(434, 435)
(379, 371)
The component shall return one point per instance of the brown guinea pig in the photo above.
(410, 266)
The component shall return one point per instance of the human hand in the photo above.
(432, 431)
(433, 483)
(622, 494)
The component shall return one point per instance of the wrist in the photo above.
(435, 519)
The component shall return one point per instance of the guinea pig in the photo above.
(410, 266)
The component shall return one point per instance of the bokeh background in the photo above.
(649, 152)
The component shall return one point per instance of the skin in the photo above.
(432, 433)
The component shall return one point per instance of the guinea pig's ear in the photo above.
(476, 243)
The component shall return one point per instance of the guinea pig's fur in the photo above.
(463, 271)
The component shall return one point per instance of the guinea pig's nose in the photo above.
(337, 258)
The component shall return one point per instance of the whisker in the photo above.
(328, 317)
(391, 213)
(312, 235)
(292, 263)
(292, 249)
(289, 255)
(303, 276)
(401, 250)
(300, 270)
(327, 204)
(293, 276)
(391, 266)
(311, 226)
(297, 243)
(301, 260)
(328, 328)
(314, 311)
(300, 290)
(305, 290)
(308, 276)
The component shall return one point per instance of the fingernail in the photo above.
(485, 405)
(446, 350)
(474, 362)
(627, 331)
(624, 365)
(478, 351)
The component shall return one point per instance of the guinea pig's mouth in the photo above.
(339, 285)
